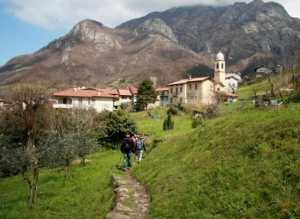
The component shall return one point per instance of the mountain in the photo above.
(162, 44)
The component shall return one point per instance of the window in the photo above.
(217, 65)
(190, 86)
(222, 66)
(171, 90)
(176, 90)
(180, 89)
(66, 101)
(196, 86)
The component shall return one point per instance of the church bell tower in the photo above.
(219, 75)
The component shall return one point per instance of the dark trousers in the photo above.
(127, 161)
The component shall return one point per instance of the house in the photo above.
(94, 98)
(192, 91)
(163, 96)
(232, 81)
(263, 70)
(162, 99)
(86, 98)
(204, 90)
(125, 96)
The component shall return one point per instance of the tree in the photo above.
(72, 136)
(168, 122)
(146, 95)
(113, 126)
(23, 127)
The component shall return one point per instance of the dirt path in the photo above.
(132, 200)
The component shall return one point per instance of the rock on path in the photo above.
(132, 199)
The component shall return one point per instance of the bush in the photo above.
(111, 127)
(197, 121)
(294, 97)
(173, 110)
(168, 123)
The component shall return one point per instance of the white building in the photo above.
(232, 81)
(92, 98)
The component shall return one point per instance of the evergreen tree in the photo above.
(168, 123)
(146, 94)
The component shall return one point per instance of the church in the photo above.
(205, 90)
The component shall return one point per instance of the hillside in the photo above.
(242, 164)
(162, 44)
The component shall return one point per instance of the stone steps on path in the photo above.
(132, 199)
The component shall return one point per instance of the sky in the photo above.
(28, 25)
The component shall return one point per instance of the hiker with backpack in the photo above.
(127, 147)
(140, 148)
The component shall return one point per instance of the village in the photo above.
(150, 109)
(193, 91)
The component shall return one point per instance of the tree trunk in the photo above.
(34, 187)
(67, 169)
(83, 161)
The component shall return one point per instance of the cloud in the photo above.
(62, 14)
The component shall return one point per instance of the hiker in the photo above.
(140, 148)
(133, 142)
(126, 149)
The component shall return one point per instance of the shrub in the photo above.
(173, 110)
(294, 97)
(197, 121)
(168, 123)
(111, 127)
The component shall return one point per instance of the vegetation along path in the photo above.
(132, 200)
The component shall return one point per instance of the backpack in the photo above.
(139, 144)
(126, 146)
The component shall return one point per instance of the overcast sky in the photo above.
(28, 25)
(58, 14)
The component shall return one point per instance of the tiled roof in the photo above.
(133, 90)
(185, 81)
(87, 92)
(124, 92)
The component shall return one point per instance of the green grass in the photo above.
(154, 127)
(248, 91)
(88, 194)
(240, 165)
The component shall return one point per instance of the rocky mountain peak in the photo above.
(156, 26)
(257, 2)
(86, 29)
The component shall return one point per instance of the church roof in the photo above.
(185, 81)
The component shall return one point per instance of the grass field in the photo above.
(248, 91)
(154, 127)
(242, 164)
(88, 194)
